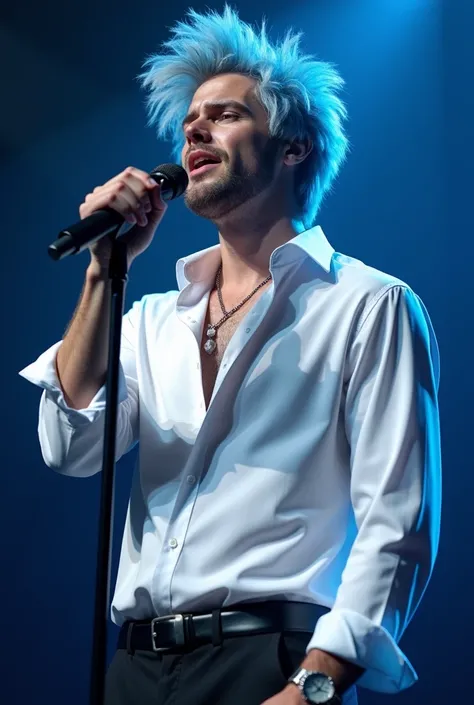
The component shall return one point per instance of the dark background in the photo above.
(72, 116)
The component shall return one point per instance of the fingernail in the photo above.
(151, 182)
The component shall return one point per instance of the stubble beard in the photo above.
(215, 198)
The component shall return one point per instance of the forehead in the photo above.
(228, 86)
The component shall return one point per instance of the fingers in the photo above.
(132, 193)
(133, 175)
(118, 197)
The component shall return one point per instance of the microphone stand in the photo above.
(118, 276)
(173, 181)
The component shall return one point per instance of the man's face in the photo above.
(226, 120)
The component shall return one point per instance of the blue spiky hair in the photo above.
(299, 93)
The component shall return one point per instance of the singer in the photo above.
(284, 517)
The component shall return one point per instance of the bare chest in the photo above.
(210, 363)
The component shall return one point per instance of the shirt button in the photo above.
(247, 330)
(190, 479)
(173, 543)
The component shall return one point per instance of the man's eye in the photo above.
(227, 116)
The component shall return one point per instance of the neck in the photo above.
(246, 248)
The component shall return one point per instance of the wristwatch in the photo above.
(316, 688)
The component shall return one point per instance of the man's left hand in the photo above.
(342, 672)
(290, 695)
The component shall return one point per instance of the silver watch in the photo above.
(316, 688)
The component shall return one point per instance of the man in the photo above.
(285, 402)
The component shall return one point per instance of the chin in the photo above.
(206, 193)
(215, 198)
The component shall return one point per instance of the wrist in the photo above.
(294, 694)
(344, 673)
(97, 271)
(315, 687)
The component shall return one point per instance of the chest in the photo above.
(210, 363)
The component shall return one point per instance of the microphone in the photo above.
(173, 180)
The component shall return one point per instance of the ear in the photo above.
(297, 151)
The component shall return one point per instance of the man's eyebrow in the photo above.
(216, 105)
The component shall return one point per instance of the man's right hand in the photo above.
(137, 197)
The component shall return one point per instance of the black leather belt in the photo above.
(181, 631)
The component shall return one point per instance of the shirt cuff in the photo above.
(353, 637)
(43, 374)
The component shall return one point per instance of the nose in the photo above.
(197, 133)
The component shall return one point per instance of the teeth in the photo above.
(201, 161)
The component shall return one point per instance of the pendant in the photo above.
(210, 345)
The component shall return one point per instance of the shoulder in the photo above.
(361, 279)
(383, 303)
(374, 295)
(366, 288)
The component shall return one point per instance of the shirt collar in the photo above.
(202, 266)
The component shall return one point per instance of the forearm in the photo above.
(81, 361)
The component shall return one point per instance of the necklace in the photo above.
(210, 345)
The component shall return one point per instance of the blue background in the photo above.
(72, 117)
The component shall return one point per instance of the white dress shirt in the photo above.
(313, 476)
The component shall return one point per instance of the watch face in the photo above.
(318, 688)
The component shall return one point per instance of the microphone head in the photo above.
(175, 179)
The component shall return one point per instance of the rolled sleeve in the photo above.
(353, 637)
(43, 374)
(71, 440)
(392, 426)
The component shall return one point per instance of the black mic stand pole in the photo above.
(173, 180)
(118, 276)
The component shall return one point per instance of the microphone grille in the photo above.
(176, 176)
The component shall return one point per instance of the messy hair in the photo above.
(299, 93)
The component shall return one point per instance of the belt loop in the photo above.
(216, 628)
(188, 627)
(129, 639)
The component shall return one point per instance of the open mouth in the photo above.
(200, 162)
(204, 168)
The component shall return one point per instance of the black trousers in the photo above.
(245, 670)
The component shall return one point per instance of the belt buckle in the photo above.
(178, 624)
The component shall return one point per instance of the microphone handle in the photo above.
(97, 225)
(85, 232)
